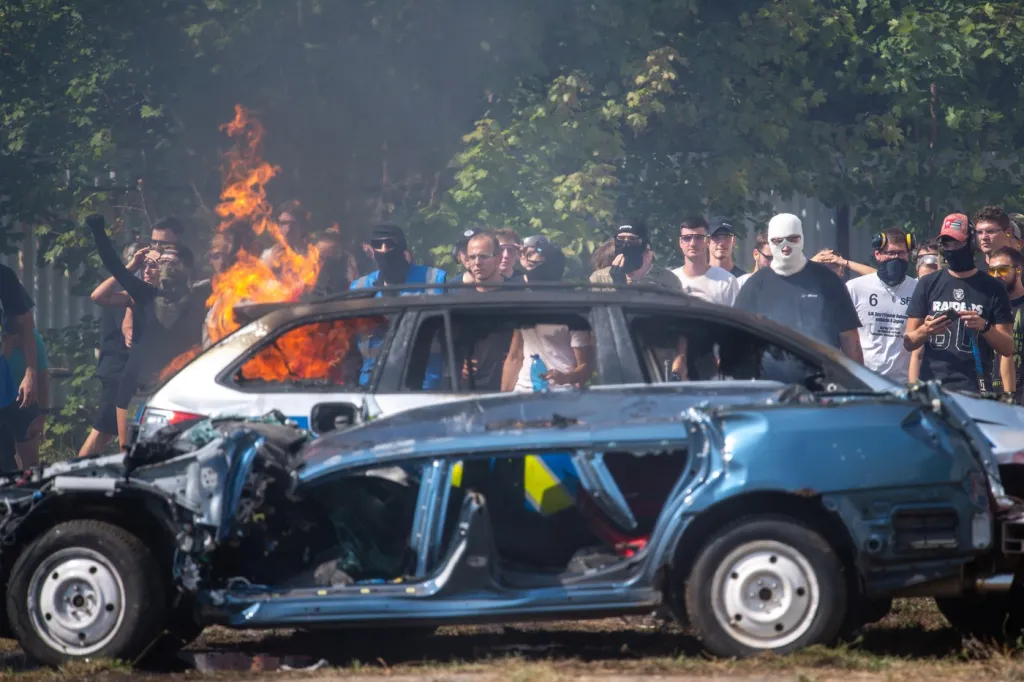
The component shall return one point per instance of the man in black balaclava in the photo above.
(634, 261)
(389, 246)
(958, 315)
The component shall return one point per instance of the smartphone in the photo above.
(950, 314)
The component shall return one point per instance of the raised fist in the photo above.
(95, 222)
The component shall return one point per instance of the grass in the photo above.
(912, 643)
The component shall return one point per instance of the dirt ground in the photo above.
(912, 643)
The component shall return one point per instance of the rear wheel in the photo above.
(85, 589)
(766, 584)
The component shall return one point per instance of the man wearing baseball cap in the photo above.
(723, 241)
(633, 262)
(957, 316)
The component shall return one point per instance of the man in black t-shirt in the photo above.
(1007, 264)
(484, 350)
(801, 295)
(957, 316)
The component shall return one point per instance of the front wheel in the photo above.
(766, 584)
(85, 589)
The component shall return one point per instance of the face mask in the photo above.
(893, 272)
(782, 226)
(392, 265)
(959, 260)
(633, 253)
(543, 272)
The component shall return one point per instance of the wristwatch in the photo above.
(988, 325)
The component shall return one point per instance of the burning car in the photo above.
(763, 516)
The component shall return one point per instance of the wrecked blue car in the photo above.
(763, 517)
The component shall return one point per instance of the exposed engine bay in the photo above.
(224, 490)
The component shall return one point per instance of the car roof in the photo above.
(514, 420)
(458, 294)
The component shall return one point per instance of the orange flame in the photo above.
(285, 275)
(244, 204)
(175, 365)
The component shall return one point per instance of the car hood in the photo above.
(1002, 424)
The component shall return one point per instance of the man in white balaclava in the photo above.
(802, 295)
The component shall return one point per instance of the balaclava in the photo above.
(633, 253)
(392, 264)
(782, 226)
(553, 267)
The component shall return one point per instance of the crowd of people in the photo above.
(958, 319)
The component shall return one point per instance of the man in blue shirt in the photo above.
(389, 246)
(15, 308)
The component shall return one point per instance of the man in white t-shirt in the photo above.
(565, 353)
(881, 300)
(698, 277)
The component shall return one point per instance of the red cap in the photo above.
(954, 227)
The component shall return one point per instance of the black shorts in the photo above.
(104, 419)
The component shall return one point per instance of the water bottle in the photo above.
(537, 371)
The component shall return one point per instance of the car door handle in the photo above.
(327, 417)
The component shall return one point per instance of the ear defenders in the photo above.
(879, 241)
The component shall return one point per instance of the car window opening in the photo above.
(545, 526)
(699, 350)
(330, 353)
(481, 344)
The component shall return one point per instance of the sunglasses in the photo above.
(509, 248)
(792, 239)
(379, 244)
(687, 238)
(1001, 270)
(628, 240)
(950, 243)
(767, 256)
(928, 260)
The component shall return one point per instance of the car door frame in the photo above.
(607, 357)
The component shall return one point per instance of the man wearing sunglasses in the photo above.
(802, 295)
(958, 315)
(389, 247)
(881, 300)
(927, 258)
(634, 261)
(1006, 264)
(698, 277)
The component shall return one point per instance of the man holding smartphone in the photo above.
(957, 316)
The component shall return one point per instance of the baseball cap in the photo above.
(638, 230)
(955, 226)
(723, 228)
(389, 231)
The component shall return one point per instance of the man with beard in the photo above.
(389, 247)
(1006, 264)
(881, 300)
(801, 295)
(633, 261)
(958, 314)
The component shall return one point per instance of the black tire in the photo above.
(984, 616)
(776, 551)
(108, 554)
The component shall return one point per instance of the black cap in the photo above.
(389, 231)
(637, 229)
(723, 228)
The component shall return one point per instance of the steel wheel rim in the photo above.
(76, 601)
(765, 594)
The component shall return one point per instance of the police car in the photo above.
(350, 358)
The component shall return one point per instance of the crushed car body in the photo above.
(765, 517)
